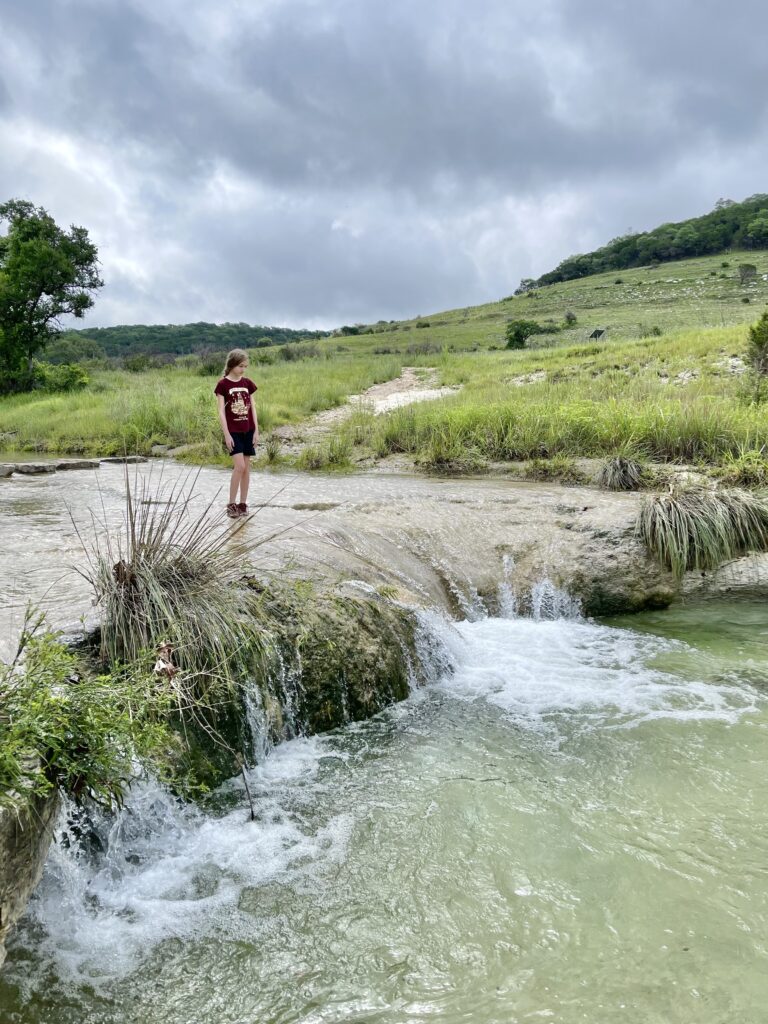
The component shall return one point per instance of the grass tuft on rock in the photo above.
(700, 529)
(173, 575)
(620, 473)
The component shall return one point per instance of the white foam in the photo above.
(536, 669)
(175, 872)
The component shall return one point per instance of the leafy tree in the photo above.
(519, 331)
(757, 231)
(45, 272)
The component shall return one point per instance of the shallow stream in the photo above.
(568, 825)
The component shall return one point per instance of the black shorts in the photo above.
(243, 442)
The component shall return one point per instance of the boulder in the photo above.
(124, 459)
(6, 470)
(66, 464)
(34, 468)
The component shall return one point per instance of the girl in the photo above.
(237, 415)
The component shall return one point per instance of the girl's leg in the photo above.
(245, 479)
(238, 467)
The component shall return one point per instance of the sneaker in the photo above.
(242, 509)
(233, 511)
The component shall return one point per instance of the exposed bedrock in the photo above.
(25, 836)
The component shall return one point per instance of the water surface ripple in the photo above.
(569, 826)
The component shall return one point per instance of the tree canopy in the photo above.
(45, 273)
(729, 226)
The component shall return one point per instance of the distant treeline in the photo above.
(173, 339)
(729, 226)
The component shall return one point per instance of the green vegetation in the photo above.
(81, 732)
(519, 331)
(729, 226)
(169, 577)
(620, 473)
(700, 529)
(45, 272)
(177, 339)
(678, 390)
(757, 349)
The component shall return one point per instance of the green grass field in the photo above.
(674, 397)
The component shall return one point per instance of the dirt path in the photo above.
(415, 384)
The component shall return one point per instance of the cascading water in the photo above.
(566, 825)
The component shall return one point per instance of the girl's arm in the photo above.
(223, 421)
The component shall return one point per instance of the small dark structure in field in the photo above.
(599, 332)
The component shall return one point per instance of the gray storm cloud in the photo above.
(303, 162)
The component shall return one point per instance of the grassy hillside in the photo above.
(697, 293)
(730, 226)
(676, 394)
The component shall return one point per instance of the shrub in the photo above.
(619, 280)
(757, 346)
(423, 323)
(60, 729)
(700, 529)
(64, 377)
(518, 332)
(747, 272)
(745, 299)
(138, 363)
(291, 353)
(423, 348)
(570, 317)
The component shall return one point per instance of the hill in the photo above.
(172, 339)
(698, 293)
(730, 226)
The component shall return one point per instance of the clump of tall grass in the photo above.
(335, 454)
(700, 529)
(620, 473)
(748, 469)
(272, 448)
(171, 576)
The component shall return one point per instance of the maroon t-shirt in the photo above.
(237, 403)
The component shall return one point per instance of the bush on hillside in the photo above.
(519, 331)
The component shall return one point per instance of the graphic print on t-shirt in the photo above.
(239, 404)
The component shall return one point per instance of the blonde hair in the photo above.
(234, 358)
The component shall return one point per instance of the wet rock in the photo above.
(129, 460)
(6, 470)
(745, 577)
(66, 464)
(34, 468)
(24, 840)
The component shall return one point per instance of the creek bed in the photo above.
(570, 825)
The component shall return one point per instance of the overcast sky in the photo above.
(318, 162)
